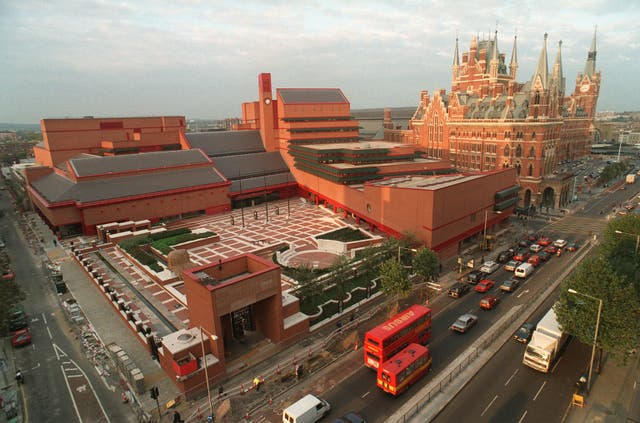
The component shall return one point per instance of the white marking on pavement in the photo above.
(509, 380)
(94, 392)
(44, 318)
(634, 385)
(539, 390)
(556, 365)
(522, 293)
(492, 401)
(522, 418)
(73, 400)
(33, 368)
(109, 387)
(49, 332)
(81, 388)
(365, 394)
(59, 352)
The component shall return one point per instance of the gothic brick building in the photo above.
(490, 121)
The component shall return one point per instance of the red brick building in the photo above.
(490, 121)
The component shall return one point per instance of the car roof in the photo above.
(467, 316)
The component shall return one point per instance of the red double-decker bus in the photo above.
(404, 369)
(413, 325)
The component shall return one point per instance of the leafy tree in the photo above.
(425, 263)
(341, 273)
(394, 279)
(619, 324)
(309, 286)
(10, 295)
(621, 250)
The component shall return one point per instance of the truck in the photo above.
(308, 409)
(631, 178)
(545, 345)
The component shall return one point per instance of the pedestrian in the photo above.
(177, 418)
(220, 390)
(256, 383)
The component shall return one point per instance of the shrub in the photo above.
(344, 235)
(164, 244)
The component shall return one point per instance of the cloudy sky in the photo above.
(201, 58)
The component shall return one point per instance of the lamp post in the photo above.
(204, 363)
(629, 234)
(595, 336)
(484, 232)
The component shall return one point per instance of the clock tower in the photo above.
(267, 114)
(585, 96)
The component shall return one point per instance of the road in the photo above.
(60, 383)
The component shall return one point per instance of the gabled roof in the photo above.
(249, 165)
(56, 188)
(311, 95)
(93, 166)
(226, 143)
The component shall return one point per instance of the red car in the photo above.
(489, 302)
(550, 249)
(8, 275)
(484, 285)
(544, 241)
(21, 338)
(534, 260)
(522, 256)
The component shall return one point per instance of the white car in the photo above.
(535, 248)
(560, 243)
(489, 267)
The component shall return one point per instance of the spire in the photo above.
(542, 70)
(513, 67)
(455, 68)
(590, 67)
(495, 60)
(557, 69)
(494, 54)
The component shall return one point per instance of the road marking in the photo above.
(365, 394)
(522, 293)
(522, 418)
(33, 368)
(49, 332)
(59, 352)
(81, 388)
(509, 380)
(44, 318)
(73, 400)
(492, 401)
(109, 387)
(556, 365)
(106, 416)
(539, 390)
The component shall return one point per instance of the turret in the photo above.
(590, 66)
(495, 59)
(455, 68)
(539, 81)
(558, 76)
(513, 66)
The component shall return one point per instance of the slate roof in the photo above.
(55, 188)
(250, 165)
(311, 95)
(260, 181)
(93, 166)
(226, 143)
(482, 109)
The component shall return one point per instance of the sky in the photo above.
(201, 58)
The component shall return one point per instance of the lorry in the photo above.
(631, 178)
(308, 409)
(546, 342)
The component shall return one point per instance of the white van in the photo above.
(309, 409)
(524, 270)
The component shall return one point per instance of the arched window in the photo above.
(533, 136)
(530, 170)
(518, 169)
(537, 98)
(506, 151)
(532, 152)
(519, 151)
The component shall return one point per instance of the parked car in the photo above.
(475, 276)
(458, 289)
(544, 256)
(8, 275)
(464, 323)
(551, 249)
(534, 260)
(489, 301)
(17, 319)
(505, 255)
(544, 241)
(21, 338)
(532, 237)
(484, 285)
(350, 418)
(522, 255)
(489, 267)
(511, 265)
(524, 333)
(560, 243)
(509, 285)
(572, 246)
(534, 248)
(524, 243)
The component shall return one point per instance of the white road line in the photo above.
(522, 418)
(492, 401)
(522, 293)
(365, 394)
(556, 365)
(109, 387)
(73, 400)
(49, 332)
(70, 376)
(539, 390)
(509, 380)
(106, 416)
(44, 318)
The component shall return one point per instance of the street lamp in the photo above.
(484, 233)
(595, 336)
(636, 235)
(204, 363)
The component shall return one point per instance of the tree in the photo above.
(619, 324)
(394, 279)
(309, 286)
(619, 249)
(426, 264)
(341, 273)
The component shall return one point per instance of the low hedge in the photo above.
(164, 244)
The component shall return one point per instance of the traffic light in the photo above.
(155, 394)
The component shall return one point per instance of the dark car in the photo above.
(475, 276)
(509, 285)
(350, 418)
(524, 243)
(505, 256)
(524, 333)
(532, 237)
(17, 319)
(544, 256)
(572, 246)
(458, 289)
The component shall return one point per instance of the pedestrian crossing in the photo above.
(576, 225)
